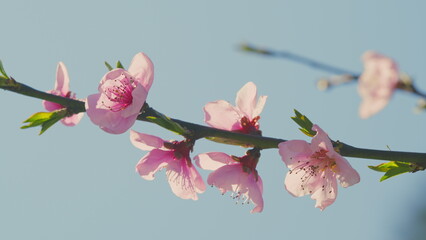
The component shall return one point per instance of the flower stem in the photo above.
(197, 131)
(14, 86)
(297, 58)
(324, 67)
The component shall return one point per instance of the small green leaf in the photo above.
(384, 167)
(45, 119)
(46, 125)
(119, 65)
(168, 123)
(394, 168)
(2, 71)
(304, 123)
(108, 66)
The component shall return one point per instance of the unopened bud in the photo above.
(323, 84)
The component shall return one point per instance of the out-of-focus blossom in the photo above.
(315, 167)
(62, 89)
(235, 174)
(184, 179)
(377, 83)
(243, 117)
(121, 95)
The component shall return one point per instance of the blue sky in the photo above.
(80, 182)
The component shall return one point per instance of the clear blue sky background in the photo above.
(80, 183)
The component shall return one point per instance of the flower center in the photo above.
(249, 161)
(181, 150)
(319, 166)
(119, 92)
(250, 127)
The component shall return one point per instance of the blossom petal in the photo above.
(232, 178)
(113, 74)
(326, 196)
(225, 177)
(199, 184)
(347, 175)
(321, 140)
(212, 160)
(299, 186)
(142, 69)
(259, 106)
(51, 106)
(139, 95)
(62, 79)
(72, 120)
(369, 107)
(377, 83)
(111, 122)
(294, 151)
(152, 162)
(184, 181)
(222, 115)
(255, 190)
(246, 100)
(144, 141)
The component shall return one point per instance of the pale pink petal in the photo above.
(232, 178)
(182, 181)
(72, 120)
(259, 106)
(370, 107)
(144, 141)
(142, 69)
(96, 112)
(225, 177)
(62, 79)
(198, 181)
(254, 192)
(294, 151)
(246, 99)
(326, 196)
(51, 106)
(113, 74)
(121, 126)
(152, 162)
(377, 83)
(347, 175)
(222, 115)
(321, 139)
(212, 160)
(111, 122)
(139, 95)
(297, 185)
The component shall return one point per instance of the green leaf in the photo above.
(45, 119)
(2, 71)
(304, 123)
(394, 168)
(384, 167)
(119, 65)
(108, 66)
(168, 123)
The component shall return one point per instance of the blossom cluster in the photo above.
(314, 168)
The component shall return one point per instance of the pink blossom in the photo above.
(377, 83)
(121, 95)
(235, 174)
(314, 168)
(62, 89)
(184, 179)
(243, 117)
